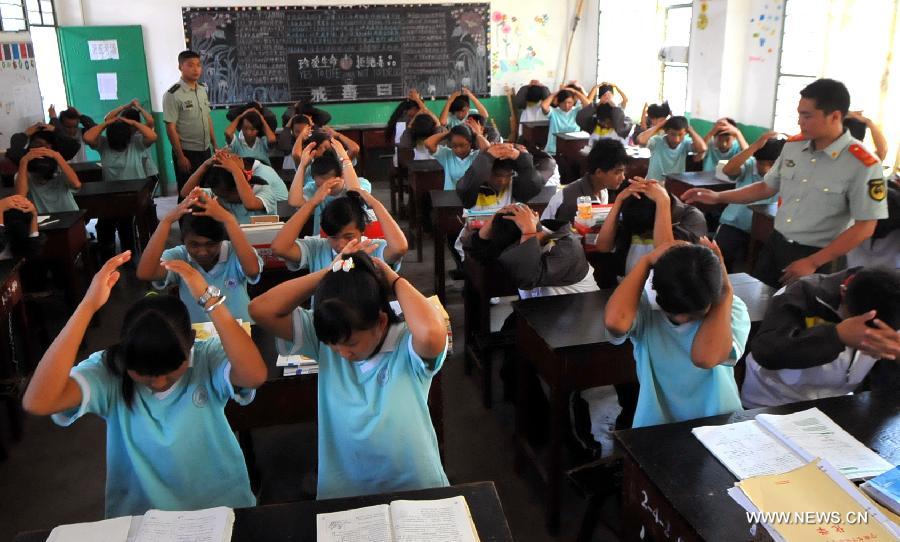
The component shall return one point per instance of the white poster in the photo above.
(104, 49)
(108, 86)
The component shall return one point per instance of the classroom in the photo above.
(583, 270)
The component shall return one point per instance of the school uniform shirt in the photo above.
(274, 180)
(797, 354)
(673, 389)
(883, 252)
(739, 215)
(561, 122)
(557, 267)
(564, 204)
(824, 191)
(188, 108)
(259, 149)
(53, 195)
(713, 155)
(375, 432)
(126, 165)
(150, 166)
(454, 166)
(317, 254)
(227, 274)
(309, 190)
(664, 160)
(532, 112)
(263, 192)
(172, 450)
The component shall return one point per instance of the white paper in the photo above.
(369, 524)
(296, 360)
(108, 86)
(109, 530)
(103, 49)
(747, 450)
(811, 434)
(209, 525)
(443, 520)
(43, 218)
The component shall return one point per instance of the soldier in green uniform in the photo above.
(831, 188)
(188, 123)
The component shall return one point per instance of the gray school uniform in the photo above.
(189, 109)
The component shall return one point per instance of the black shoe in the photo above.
(580, 420)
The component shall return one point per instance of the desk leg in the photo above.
(486, 352)
(413, 223)
(558, 399)
(420, 231)
(440, 273)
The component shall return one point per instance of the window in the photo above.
(803, 52)
(40, 13)
(12, 16)
(674, 77)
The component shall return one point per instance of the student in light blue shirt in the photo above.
(46, 178)
(569, 102)
(723, 141)
(237, 190)
(123, 148)
(252, 138)
(686, 350)
(668, 152)
(375, 432)
(747, 167)
(162, 395)
(456, 157)
(273, 179)
(228, 265)
(458, 106)
(344, 220)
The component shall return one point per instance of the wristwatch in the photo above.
(211, 292)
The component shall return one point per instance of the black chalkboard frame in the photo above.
(224, 94)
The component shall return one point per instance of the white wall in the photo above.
(164, 37)
(20, 102)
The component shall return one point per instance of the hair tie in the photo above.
(343, 265)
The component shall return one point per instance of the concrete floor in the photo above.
(56, 475)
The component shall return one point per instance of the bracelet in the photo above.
(216, 304)
(394, 284)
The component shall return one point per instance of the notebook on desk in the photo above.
(447, 520)
(208, 525)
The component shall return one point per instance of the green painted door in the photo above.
(80, 72)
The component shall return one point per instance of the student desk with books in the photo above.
(564, 340)
(675, 489)
(446, 219)
(679, 183)
(117, 200)
(296, 521)
(535, 132)
(569, 156)
(423, 177)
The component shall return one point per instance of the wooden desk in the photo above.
(761, 228)
(12, 308)
(674, 489)
(118, 200)
(88, 172)
(568, 155)
(446, 213)
(367, 136)
(66, 240)
(535, 132)
(424, 176)
(679, 183)
(297, 521)
(563, 339)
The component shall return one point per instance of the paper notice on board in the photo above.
(108, 86)
(104, 49)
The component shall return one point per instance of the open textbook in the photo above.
(442, 520)
(773, 444)
(208, 525)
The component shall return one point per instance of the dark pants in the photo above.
(778, 253)
(106, 235)
(196, 158)
(734, 244)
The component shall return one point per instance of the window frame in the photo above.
(665, 64)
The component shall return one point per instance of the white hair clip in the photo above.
(343, 265)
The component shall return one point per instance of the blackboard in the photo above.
(340, 53)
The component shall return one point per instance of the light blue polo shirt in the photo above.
(172, 450)
(712, 157)
(127, 165)
(259, 150)
(673, 389)
(276, 183)
(309, 190)
(263, 192)
(375, 431)
(454, 166)
(227, 275)
(316, 254)
(53, 195)
(665, 160)
(739, 215)
(561, 122)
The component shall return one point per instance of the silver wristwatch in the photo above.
(211, 292)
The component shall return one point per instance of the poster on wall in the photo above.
(20, 105)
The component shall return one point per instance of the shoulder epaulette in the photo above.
(174, 88)
(862, 155)
(798, 137)
(201, 83)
